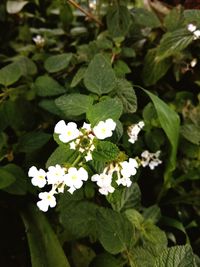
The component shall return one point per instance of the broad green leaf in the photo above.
(99, 77)
(82, 255)
(32, 141)
(121, 69)
(154, 70)
(152, 213)
(61, 155)
(45, 249)
(170, 122)
(105, 260)
(6, 178)
(78, 76)
(145, 18)
(47, 86)
(191, 132)
(50, 106)
(66, 15)
(125, 198)
(14, 7)
(74, 104)
(118, 20)
(108, 108)
(27, 66)
(10, 74)
(126, 93)
(178, 256)
(174, 20)
(115, 232)
(173, 43)
(58, 62)
(192, 16)
(19, 187)
(105, 151)
(78, 217)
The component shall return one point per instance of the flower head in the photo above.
(55, 174)
(104, 129)
(133, 131)
(150, 159)
(191, 27)
(75, 177)
(104, 181)
(38, 176)
(67, 132)
(47, 200)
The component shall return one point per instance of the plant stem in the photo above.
(76, 161)
(88, 14)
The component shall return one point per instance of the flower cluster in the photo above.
(193, 28)
(39, 41)
(83, 139)
(71, 177)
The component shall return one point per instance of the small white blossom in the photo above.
(72, 145)
(67, 132)
(191, 27)
(104, 129)
(196, 34)
(39, 40)
(88, 157)
(193, 62)
(55, 174)
(125, 181)
(129, 168)
(75, 177)
(133, 131)
(104, 181)
(86, 126)
(47, 200)
(150, 159)
(39, 176)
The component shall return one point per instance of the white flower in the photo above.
(193, 62)
(67, 132)
(125, 181)
(104, 129)
(72, 145)
(196, 34)
(129, 167)
(133, 131)
(38, 176)
(88, 157)
(104, 181)
(39, 40)
(47, 200)
(191, 27)
(86, 126)
(150, 159)
(55, 174)
(74, 178)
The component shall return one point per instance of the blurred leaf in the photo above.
(126, 94)
(173, 43)
(50, 106)
(118, 20)
(58, 62)
(191, 132)
(14, 7)
(99, 76)
(154, 70)
(47, 86)
(27, 66)
(175, 257)
(174, 20)
(108, 108)
(44, 246)
(192, 16)
(121, 69)
(6, 178)
(114, 230)
(19, 187)
(152, 213)
(78, 76)
(74, 104)
(82, 255)
(10, 74)
(145, 18)
(105, 260)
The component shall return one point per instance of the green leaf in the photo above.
(77, 217)
(14, 7)
(170, 122)
(192, 16)
(10, 74)
(50, 106)
(105, 151)
(191, 132)
(78, 76)
(74, 104)
(99, 77)
(173, 43)
(152, 213)
(154, 70)
(61, 155)
(44, 246)
(126, 94)
(19, 187)
(174, 20)
(27, 66)
(47, 86)
(82, 255)
(125, 198)
(32, 141)
(109, 108)
(118, 20)
(6, 178)
(58, 62)
(115, 231)
(121, 69)
(105, 260)
(146, 18)
(175, 257)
